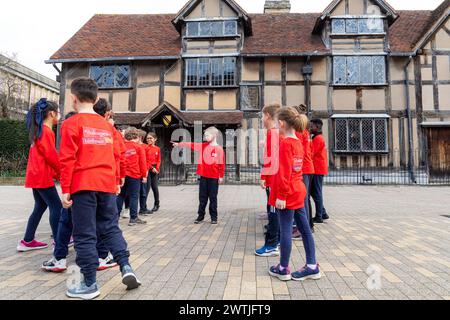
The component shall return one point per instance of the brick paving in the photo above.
(405, 231)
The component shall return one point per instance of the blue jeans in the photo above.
(65, 231)
(130, 190)
(307, 180)
(43, 199)
(317, 194)
(93, 214)
(286, 218)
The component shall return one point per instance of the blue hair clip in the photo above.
(36, 116)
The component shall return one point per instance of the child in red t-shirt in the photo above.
(211, 169)
(153, 153)
(288, 197)
(90, 180)
(269, 169)
(320, 160)
(135, 175)
(43, 167)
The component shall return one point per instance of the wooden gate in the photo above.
(438, 139)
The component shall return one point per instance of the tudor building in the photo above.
(379, 78)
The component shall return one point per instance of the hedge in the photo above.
(14, 147)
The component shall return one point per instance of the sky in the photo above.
(34, 30)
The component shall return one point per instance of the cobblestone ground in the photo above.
(405, 231)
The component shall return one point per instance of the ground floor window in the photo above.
(360, 135)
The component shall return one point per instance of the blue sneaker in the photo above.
(81, 291)
(267, 251)
(283, 275)
(129, 278)
(307, 274)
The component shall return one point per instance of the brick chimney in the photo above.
(277, 6)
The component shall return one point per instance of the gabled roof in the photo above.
(192, 4)
(284, 34)
(390, 12)
(109, 37)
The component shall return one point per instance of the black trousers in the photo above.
(152, 183)
(209, 188)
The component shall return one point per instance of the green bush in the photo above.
(14, 148)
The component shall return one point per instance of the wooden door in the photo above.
(438, 153)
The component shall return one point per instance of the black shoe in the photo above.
(155, 208)
(325, 216)
(213, 221)
(312, 230)
(198, 221)
(145, 212)
(318, 220)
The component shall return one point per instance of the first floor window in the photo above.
(211, 72)
(360, 135)
(357, 25)
(359, 70)
(211, 28)
(111, 76)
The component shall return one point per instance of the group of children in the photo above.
(98, 168)
(293, 170)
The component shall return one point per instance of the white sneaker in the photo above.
(126, 214)
(106, 263)
(54, 265)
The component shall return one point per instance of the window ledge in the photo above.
(350, 86)
(357, 34)
(211, 37)
(210, 87)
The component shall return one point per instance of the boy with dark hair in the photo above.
(153, 153)
(211, 169)
(135, 172)
(320, 161)
(89, 182)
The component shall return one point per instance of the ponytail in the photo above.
(36, 116)
(295, 120)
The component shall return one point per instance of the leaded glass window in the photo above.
(206, 72)
(359, 70)
(111, 76)
(357, 25)
(211, 28)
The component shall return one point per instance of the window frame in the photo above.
(116, 68)
(211, 79)
(362, 150)
(359, 83)
(222, 35)
(358, 19)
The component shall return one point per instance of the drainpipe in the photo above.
(307, 71)
(62, 83)
(410, 125)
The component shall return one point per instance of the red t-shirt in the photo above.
(319, 155)
(136, 163)
(287, 184)
(153, 157)
(88, 154)
(43, 162)
(305, 138)
(271, 156)
(211, 161)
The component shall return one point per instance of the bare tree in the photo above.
(10, 84)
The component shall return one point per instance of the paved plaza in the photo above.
(399, 233)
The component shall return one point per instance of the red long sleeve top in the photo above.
(89, 155)
(288, 184)
(43, 162)
(271, 156)
(136, 162)
(319, 155)
(211, 161)
(153, 157)
(121, 143)
(305, 138)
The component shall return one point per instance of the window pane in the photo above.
(122, 76)
(353, 70)
(354, 138)
(339, 70)
(203, 72)
(192, 29)
(338, 26)
(216, 72)
(250, 97)
(341, 135)
(379, 69)
(191, 73)
(230, 28)
(367, 135)
(229, 70)
(217, 28)
(375, 25)
(351, 26)
(205, 28)
(380, 134)
(366, 73)
(363, 26)
(97, 75)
